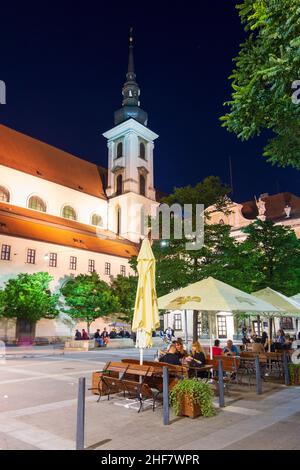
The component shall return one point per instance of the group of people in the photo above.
(177, 354)
(102, 338)
(260, 344)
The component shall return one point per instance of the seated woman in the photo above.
(197, 359)
(258, 347)
(216, 350)
(180, 351)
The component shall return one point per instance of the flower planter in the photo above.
(294, 374)
(188, 408)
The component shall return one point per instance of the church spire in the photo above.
(131, 93)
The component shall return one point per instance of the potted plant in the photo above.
(192, 397)
(294, 373)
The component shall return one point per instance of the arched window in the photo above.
(119, 188)
(69, 213)
(142, 185)
(142, 150)
(119, 150)
(37, 204)
(97, 220)
(4, 194)
(118, 221)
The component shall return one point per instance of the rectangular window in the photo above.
(177, 322)
(5, 252)
(107, 269)
(222, 326)
(53, 260)
(73, 263)
(286, 323)
(30, 256)
(123, 270)
(91, 265)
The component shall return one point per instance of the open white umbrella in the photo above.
(213, 296)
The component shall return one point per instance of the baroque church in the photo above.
(67, 216)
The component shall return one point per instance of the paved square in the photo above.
(38, 399)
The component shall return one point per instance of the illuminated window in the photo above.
(30, 256)
(91, 266)
(142, 150)
(37, 204)
(107, 269)
(142, 185)
(123, 270)
(53, 260)
(69, 213)
(97, 220)
(73, 263)
(5, 252)
(4, 194)
(119, 150)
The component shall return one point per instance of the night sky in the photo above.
(64, 65)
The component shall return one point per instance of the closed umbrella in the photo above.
(145, 318)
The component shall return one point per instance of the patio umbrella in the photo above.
(296, 298)
(145, 317)
(213, 296)
(286, 305)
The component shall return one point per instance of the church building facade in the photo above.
(67, 216)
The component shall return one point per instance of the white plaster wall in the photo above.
(21, 186)
(131, 205)
(61, 272)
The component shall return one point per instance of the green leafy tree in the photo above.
(28, 297)
(267, 65)
(273, 251)
(87, 297)
(124, 288)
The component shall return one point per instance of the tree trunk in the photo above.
(195, 325)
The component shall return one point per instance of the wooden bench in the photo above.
(119, 377)
(230, 365)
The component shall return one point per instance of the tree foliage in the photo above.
(87, 297)
(28, 297)
(265, 68)
(124, 288)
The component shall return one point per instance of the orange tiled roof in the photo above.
(37, 158)
(39, 226)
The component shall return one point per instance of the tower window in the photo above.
(119, 188)
(142, 185)
(4, 194)
(69, 213)
(37, 204)
(142, 150)
(118, 221)
(97, 220)
(119, 150)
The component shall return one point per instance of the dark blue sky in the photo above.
(64, 65)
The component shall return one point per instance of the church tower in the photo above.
(130, 185)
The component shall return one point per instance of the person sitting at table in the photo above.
(264, 340)
(197, 359)
(258, 347)
(230, 349)
(171, 357)
(216, 350)
(180, 351)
